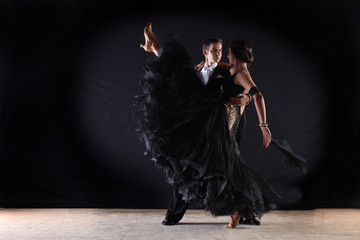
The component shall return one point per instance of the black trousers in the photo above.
(177, 207)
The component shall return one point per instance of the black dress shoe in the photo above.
(249, 221)
(168, 222)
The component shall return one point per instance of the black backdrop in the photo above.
(69, 71)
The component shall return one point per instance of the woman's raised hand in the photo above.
(199, 66)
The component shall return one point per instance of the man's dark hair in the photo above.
(208, 42)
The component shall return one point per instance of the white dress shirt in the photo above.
(206, 72)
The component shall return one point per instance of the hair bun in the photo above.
(242, 50)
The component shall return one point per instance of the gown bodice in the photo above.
(230, 89)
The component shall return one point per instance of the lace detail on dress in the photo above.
(233, 117)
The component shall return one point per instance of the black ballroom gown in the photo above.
(193, 136)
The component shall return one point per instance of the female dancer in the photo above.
(193, 136)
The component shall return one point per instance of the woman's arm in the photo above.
(198, 67)
(243, 78)
(261, 112)
(260, 106)
(223, 65)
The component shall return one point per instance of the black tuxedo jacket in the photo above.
(215, 81)
(190, 82)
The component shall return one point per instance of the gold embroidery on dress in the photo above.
(233, 117)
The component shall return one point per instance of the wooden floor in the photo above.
(50, 224)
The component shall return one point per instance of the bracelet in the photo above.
(263, 125)
(250, 101)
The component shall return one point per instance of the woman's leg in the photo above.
(151, 42)
(234, 220)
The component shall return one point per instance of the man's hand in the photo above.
(240, 100)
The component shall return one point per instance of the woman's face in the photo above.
(231, 57)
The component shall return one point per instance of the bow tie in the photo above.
(209, 68)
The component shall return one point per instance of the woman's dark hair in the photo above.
(242, 50)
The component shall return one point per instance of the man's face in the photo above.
(213, 55)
